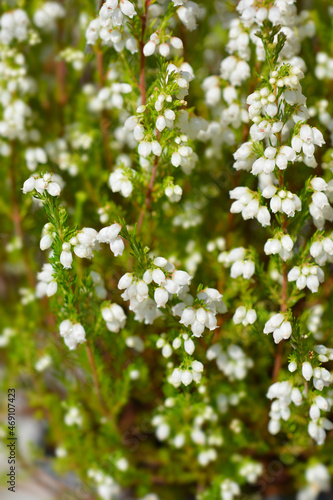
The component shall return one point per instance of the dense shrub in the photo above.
(178, 344)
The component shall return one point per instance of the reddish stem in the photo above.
(142, 83)
(61, 79)
(99, 55)
(17, 219)
(104, 122)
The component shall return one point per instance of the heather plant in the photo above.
(167, 243)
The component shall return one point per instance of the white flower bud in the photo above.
(51, 288)
(286, 330)
(294, 273)
(181, 277)
(142, 289)
(160, 123)
(127, 8)
(314, 412)
(197, 328)
(125, 281)
(273, 323)
(139, 132)
(176, 343)
(201, 316)
(166, 351)
(296, 396)
(188, 316)
(117, 246)
(269, 191)
(275, 246)
(176, 42)
(164, 50)
(186, 377)
(65, 327)
(328, 245)
(312, 282)
(163, 432)
(292, 367)
(274, 427)
(131, 122)
(288, 207)
(239, 315)
(189, 346)
(170, 114)
(176, 159)
(149, 48)
(275, 204)
(320, 200)
(78, 333)
(46, 242)
(53, 189)
(251, 210)
(182, 83)
(248, 269)
(318, 184)
(251, 316)
(263, 216)
(109, 233)
(66, 259)
(160, 262)
(158, 276)
(176, 377)
(161, 297)
(307, 371)
(156, 148)
(144, 149)
(322, 403)
(29, 185)
(316, 249)
(197, 366)
(287, 242)
(171, 286)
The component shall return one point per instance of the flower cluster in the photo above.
(155, 43)
(309, 276)
(110, 24)
(281, 244)
(153, 135)
(169, 282)
(47, 284)
(284, 394)
(191, 374)
(249, 206)
(14, 25)
(198, 318)
(233, 363)
(51, 183)
(72, 333)
(83, 244)
(279, 326)
(110, 235)
(239, 261)
(114, 317)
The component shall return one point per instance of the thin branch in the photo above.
(149, 192)
(142, 83)
(16, 215)
(61, 74)
(95, 377)
(104, 121)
